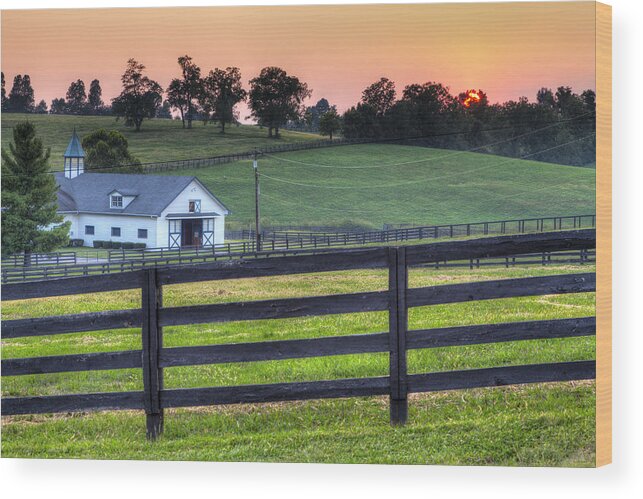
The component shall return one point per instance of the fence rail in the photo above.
(44, 273)
(230, 158)
(153, 358)
(56, 258)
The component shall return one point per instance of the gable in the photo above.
(195, 191)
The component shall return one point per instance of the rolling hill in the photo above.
(158, 140)
(382, 183)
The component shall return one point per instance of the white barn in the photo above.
(160, 211)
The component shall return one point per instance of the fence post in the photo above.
(152, 342)
(398, 323)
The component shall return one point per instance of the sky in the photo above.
(508, 50)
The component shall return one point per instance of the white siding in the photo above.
(180, 204)
(193, 191)
(129, 226)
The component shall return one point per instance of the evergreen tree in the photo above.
(29, 219)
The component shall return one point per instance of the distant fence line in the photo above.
(293, 243)
(182, 164)
(182, 258)
(399, 338)
(402, 232)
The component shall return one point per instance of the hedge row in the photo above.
(118, 245)
(76, 243)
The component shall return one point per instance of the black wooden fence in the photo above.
(153, 358)
(55, 258)
(230, 158)
(178, 258)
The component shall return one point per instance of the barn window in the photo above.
(142, 233)
(117, 201)
(194, 206)
(89, 230)
(116, 232)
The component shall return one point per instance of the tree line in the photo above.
(558, 126)
(275, 97)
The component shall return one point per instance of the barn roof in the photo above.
(90, 192)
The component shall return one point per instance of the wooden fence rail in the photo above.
(153, 358)
(21, 274)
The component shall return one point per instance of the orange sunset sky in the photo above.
(508, 50)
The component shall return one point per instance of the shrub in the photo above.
(99, 244)
(75, 243)
(127, 245)
(140, 245)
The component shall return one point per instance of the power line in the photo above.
(319, 165)
(381, 140)
(317, 186)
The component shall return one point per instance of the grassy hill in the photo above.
(415, 185)
(158, 140)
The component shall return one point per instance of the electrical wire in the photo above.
(454, 174)
(386, 165)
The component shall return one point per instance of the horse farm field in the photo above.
(158, 140)
(372, 184)
(547, 424)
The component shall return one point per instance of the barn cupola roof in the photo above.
(74, 149)
(74, 157)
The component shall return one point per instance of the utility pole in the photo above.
(255, 166)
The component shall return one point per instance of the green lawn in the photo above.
(437, 187)
(536, 425)
(158, 140)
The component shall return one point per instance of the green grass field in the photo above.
(158, 140)
(431, 186)
(535, 425)
(400, 184)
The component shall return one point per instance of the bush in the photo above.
(76, 243)
(99, 244)
(140, 245)
(127, 245)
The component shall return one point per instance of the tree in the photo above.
(76, 97)
(329, 123)
(58, 106)
(108, 148)
(380, 96)
(176, 99)
(545, 97)
(94, 99)
(432, 110)
(21, 97)
(30, 222)
(361, 121)
(4, 94)
(276, 97)
(41, 108)
(185, 91)
(139, 98)
(222, 91)
(165, 111)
